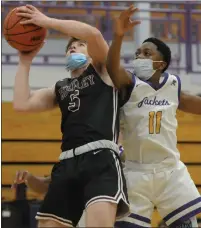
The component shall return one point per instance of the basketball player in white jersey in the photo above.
(155, 174)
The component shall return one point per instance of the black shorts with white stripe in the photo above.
(81, 181)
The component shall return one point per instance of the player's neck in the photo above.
(77, 73)
(155, 79)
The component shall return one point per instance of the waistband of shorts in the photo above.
(149, 168)
(101, 144)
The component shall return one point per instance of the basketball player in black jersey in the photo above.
(89, 175)
(40, 184)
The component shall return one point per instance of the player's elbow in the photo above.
(18, 107)
(95, 36)
(95, 33)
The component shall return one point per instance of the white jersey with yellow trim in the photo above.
(149, 122)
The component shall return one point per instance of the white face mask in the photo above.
(143, 68)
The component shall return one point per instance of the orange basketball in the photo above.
(22, 37)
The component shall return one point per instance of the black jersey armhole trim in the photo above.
(97, 75)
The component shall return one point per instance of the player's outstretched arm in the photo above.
(25, 100)
(97, 46)
(122, 24)
(190, 103)
(37, 184)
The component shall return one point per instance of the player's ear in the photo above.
(162, 65)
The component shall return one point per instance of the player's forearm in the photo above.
(116, 72)
(194, 107)
(21, 86)
(73, 28)
(113, 58)
(38, 184)
(190, 103)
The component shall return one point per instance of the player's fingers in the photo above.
(27, 15)
(21, 9)
(25, 174)
(17, 177)
(17, 174)
(14, 185)
(124, 13)
(24, 10)
(31, 7)
(133, 10)
(20, 176)
(130, 8)
(127, 13)
(134, 23)
(26, 22)
(29, 11)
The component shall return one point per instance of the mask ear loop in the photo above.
(158, 68)
(89, 60)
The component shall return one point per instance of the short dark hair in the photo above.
(162, 48)
(72, 40)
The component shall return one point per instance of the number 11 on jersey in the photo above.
(155, 122)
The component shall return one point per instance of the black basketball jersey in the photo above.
(89, 108)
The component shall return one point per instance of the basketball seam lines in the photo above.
(14, 24)
(9, 18)
(24, 44)
(24, 32)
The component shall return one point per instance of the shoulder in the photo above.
(101, 72)
(63, 81)
(174, 83)
(173, 78)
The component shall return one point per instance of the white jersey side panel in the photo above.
(149, 122)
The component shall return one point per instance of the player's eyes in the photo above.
(147, 53)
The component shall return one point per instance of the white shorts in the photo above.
(170, 190)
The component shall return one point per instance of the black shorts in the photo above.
(81, 181)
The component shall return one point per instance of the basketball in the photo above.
(22, 37)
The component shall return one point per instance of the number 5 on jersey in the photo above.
(155, 122)
(74, 105)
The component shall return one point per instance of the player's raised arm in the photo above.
(97, 46)
(24, 99)
(122, 24)
(190, 103)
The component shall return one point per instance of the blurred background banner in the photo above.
(27, 145)
(175, 22)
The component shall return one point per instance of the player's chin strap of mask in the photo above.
(75, 61)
